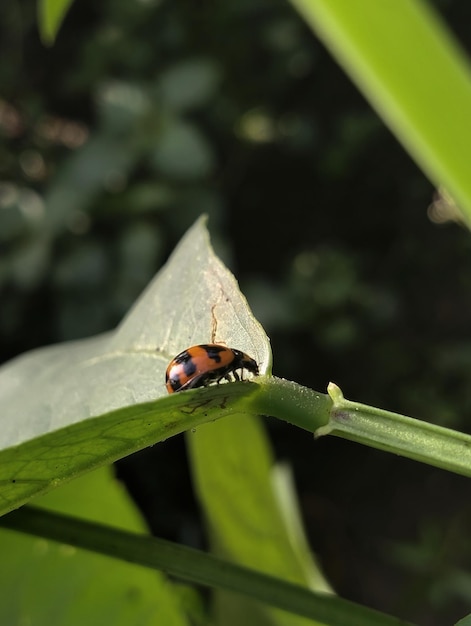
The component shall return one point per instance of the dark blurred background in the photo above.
(147, 113)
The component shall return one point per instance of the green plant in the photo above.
(78, 415)
(116, 411)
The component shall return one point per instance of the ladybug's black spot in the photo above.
(214, 352)
(174, 383)
(184, 359)
(189, 367)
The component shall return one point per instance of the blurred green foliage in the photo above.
(147, 113)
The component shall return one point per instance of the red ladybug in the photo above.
(199, 366)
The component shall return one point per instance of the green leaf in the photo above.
(182, 151)
(193, 565)
(234, 478)
(47, 583)
(413, 72)
(72, 407)
(50, 16)
(188, 84)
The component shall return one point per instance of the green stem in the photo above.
(334, 415)
(292, 403)
(414, 439)
(194, 566)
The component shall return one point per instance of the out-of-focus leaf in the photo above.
(413, 72)
(121, 104)
(182, 152)
(45, 583)
(82, 266)
(188, 84)
(246, 511)
(51, 14)
(85, 174)
(29, 262)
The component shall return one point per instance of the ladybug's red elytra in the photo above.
(201, 365)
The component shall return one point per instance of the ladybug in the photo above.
(201, 365)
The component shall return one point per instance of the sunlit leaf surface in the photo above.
(72, 407)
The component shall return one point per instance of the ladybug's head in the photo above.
(244, 361)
